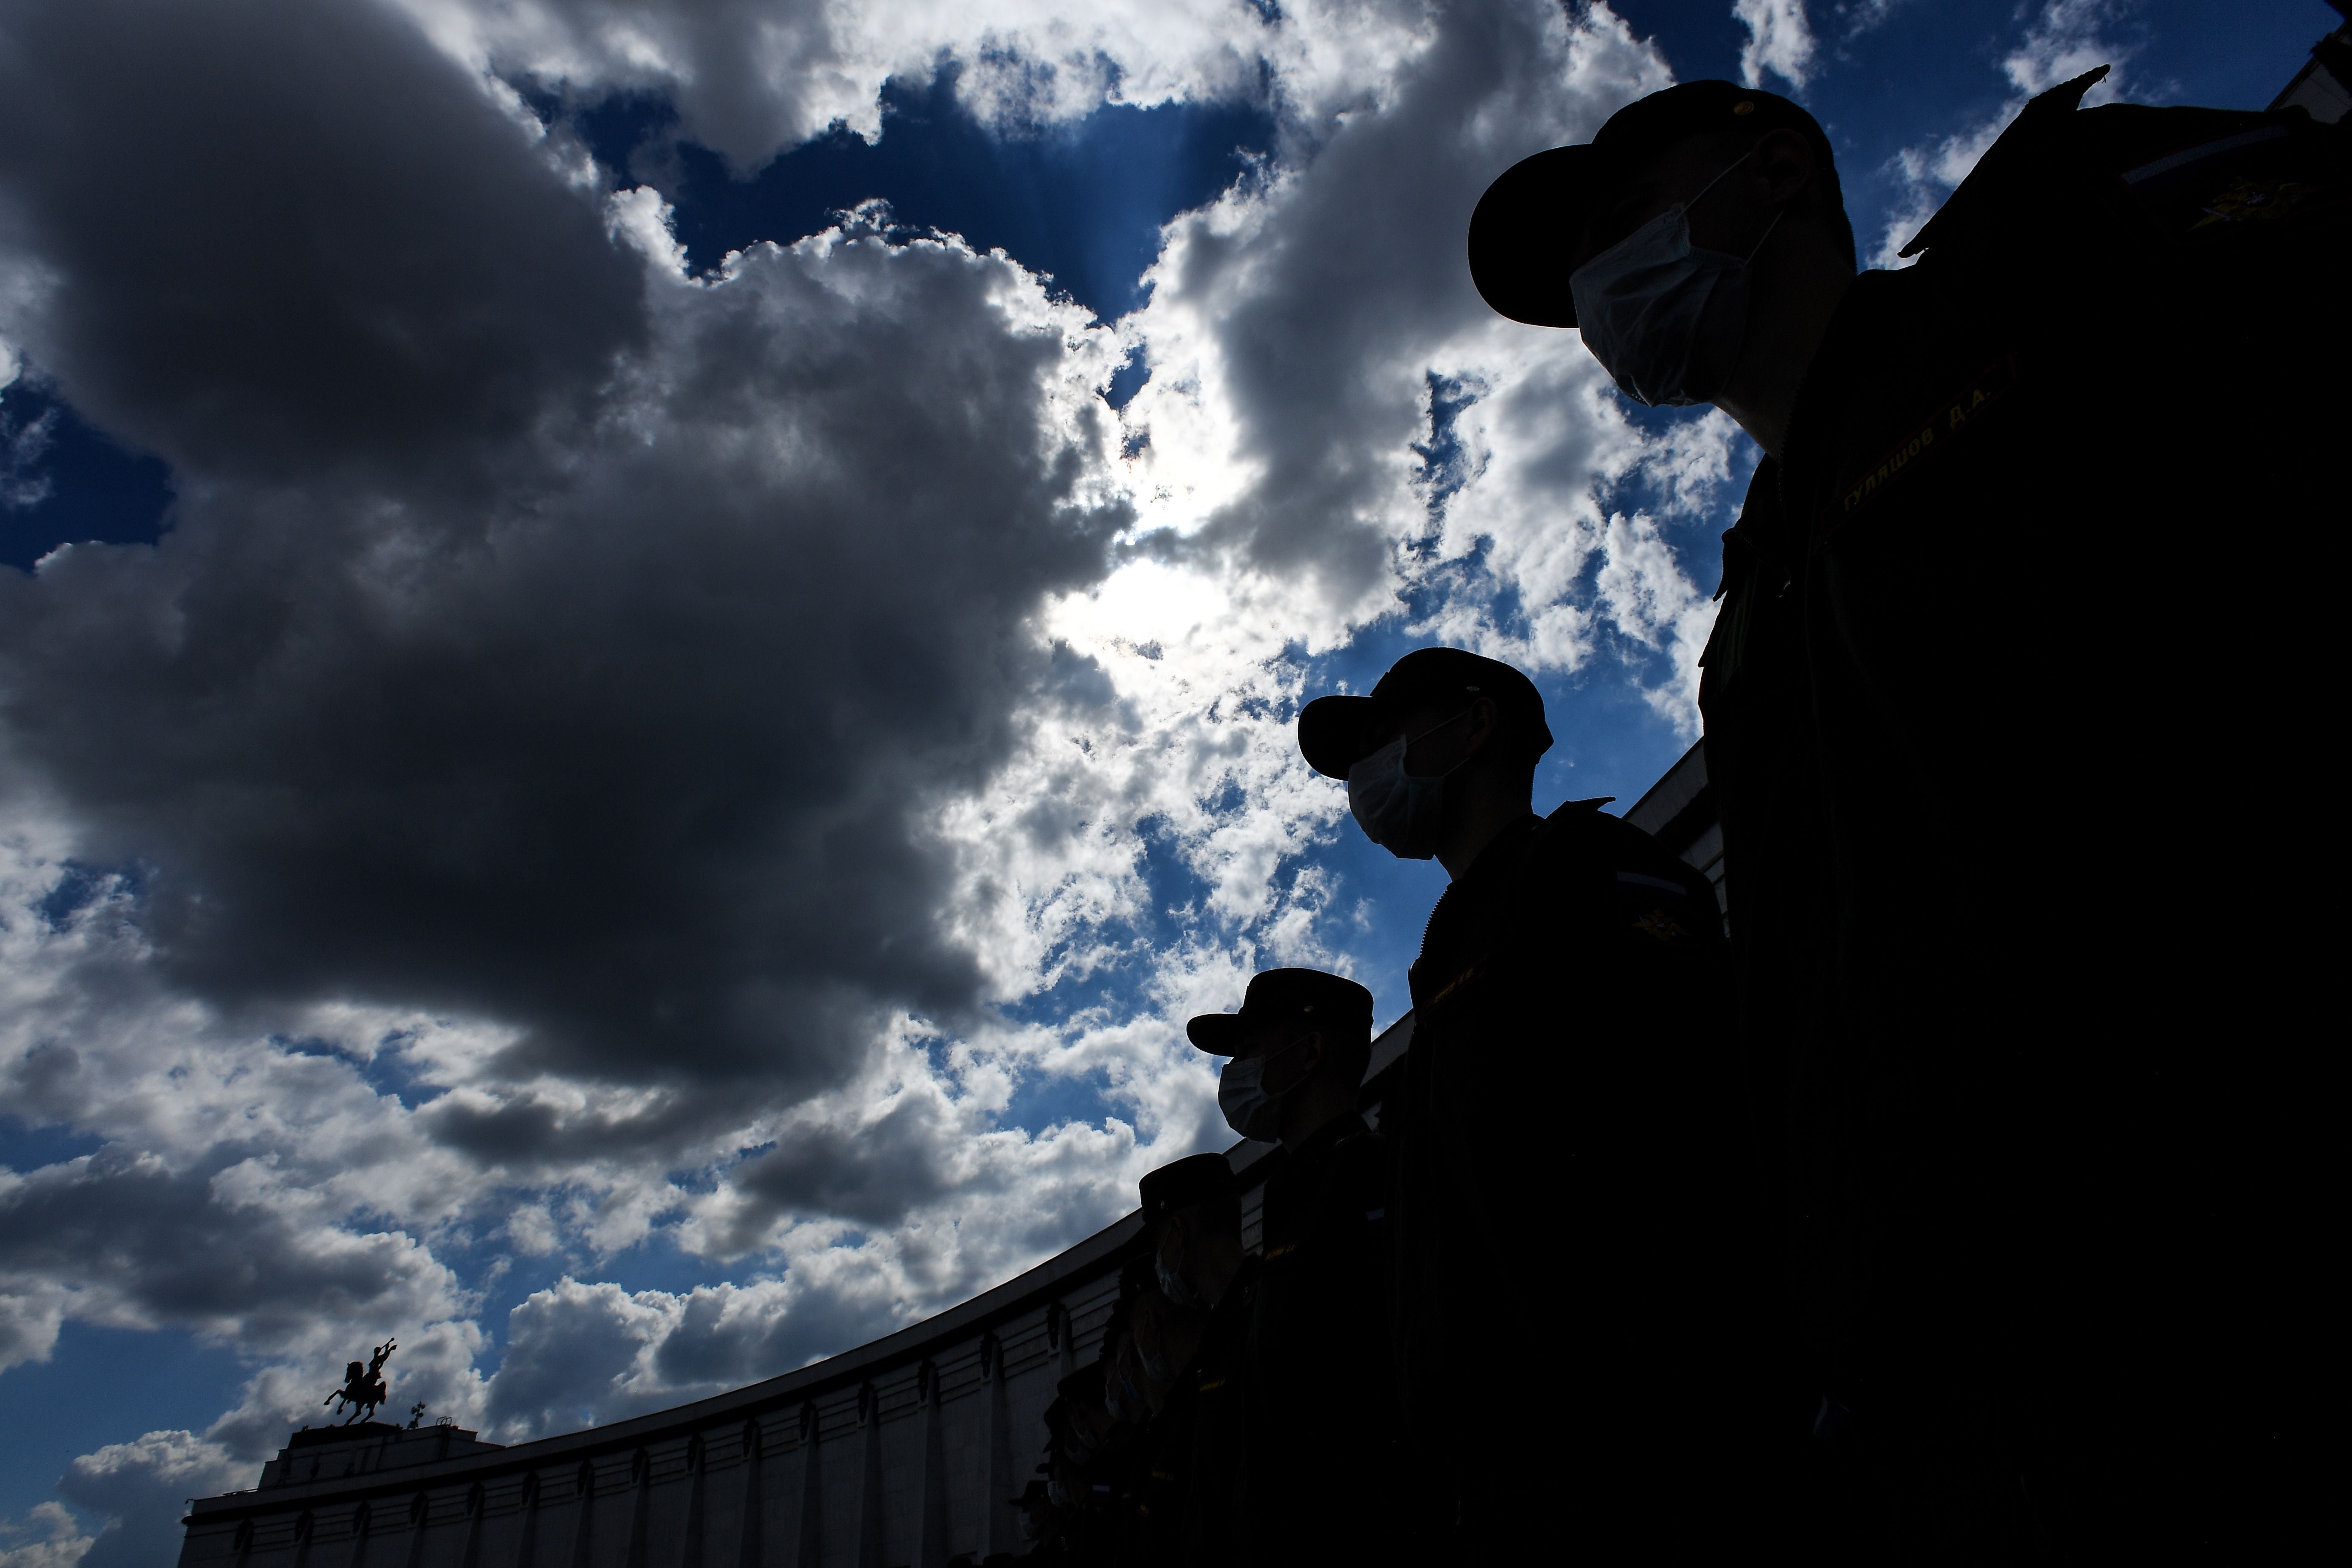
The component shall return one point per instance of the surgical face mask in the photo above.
(1401, 812)
(1174, 1286)
(1157, 1369)
(1665, 319)
(1249, 1110)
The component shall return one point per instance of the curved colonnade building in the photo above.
(903, 1453)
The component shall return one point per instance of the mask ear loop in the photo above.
(1718, 177)
(1768, 227)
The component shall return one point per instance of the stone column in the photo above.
(690, 1555)
(1060, 1341)
(931, 1545)
(811, 1554)
(641, 1504)
(999, 1529)
(754, 1526)
(583, 1526)
(871, 1515)
(527, 1544)
(420, 1513)
(473, 1510)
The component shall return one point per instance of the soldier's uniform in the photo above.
(2027, 582)
(1189, 1476)
(1190, 1492)
(1326, 1438)
(1579, 1294)
(1092, 1494)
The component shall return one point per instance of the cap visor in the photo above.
(1217, 1033)
(1523, 232)
(1335, 732)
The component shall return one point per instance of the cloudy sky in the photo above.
(646, 646)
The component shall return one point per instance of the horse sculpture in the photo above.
(363, 1387)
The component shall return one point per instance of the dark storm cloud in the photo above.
(536, 641)
(871, 1174)
(262, 240)
(161, 1245)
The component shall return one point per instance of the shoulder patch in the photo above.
(1951, 420)
(1469, 972)
(2245, 200)
(1659, 926)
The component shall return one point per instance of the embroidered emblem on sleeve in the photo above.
(1469, 974)
(1659, 926)
(2253, 201)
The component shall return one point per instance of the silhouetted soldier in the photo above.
(2002, 969)
(1199, 1439)
(1091, 1464)
(1324, 1445)
(1122, 1478)
(1571, 1156)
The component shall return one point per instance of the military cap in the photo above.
(1196, 1178)
(1525, 225)
(1308, 996)
(1336, 733)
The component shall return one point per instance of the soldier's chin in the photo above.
(1714, 352)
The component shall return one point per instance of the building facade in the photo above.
(903, 1453)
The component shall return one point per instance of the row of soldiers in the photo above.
(1966, 1206)
(1347, 1391)
(1215, 1359)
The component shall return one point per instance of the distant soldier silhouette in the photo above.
(363, 1387)
(1571, 1167)
(2024, 1007)
(1323, 1475)
(1197, 1444)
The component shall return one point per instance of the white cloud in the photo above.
(48, 1537)
(1780, 40)
(23, 444)
(752, 77)
(138, 1489)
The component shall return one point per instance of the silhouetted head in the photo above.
(1550, 213)
(1193, 1209)
(1440, 756)
(1699, 243)
(1300, 1046)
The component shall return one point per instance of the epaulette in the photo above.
(2020, 158)
(2127, 171)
